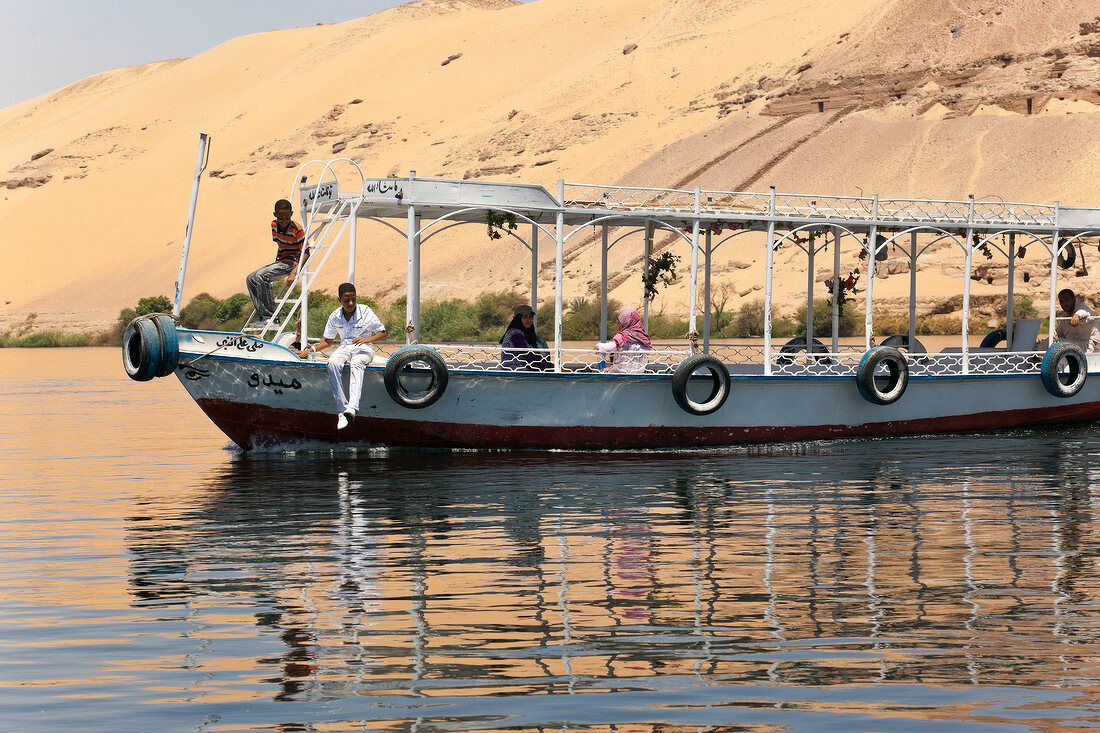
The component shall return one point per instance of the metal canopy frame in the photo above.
(430, 206)
(428, 203)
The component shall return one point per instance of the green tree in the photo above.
(154, 304)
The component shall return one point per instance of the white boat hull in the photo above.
(258, 400)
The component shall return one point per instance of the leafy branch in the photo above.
(659, 269)
(845, 289)
(497, 221)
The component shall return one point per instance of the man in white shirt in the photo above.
(358, 327)
(1080, 328)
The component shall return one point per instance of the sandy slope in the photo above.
(837, 96)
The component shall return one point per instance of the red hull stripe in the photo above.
(248, 425)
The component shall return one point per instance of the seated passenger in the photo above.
(1080, 328)
(358, 327)
(630, 338)
(517, 341)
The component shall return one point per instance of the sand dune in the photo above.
(934, 99)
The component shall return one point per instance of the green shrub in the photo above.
(395, 314)
(230, 308)
(663, 327)
(1024, 308)
(493, 312)
(46, 339)
(154, 304)
(200, 310)
(749, 322)
(582, 319)
(850, 322)
(448, 320)
(124, 317)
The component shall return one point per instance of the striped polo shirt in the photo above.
(290, 242)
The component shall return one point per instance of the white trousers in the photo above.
(359, 356)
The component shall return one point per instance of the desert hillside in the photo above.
(924, 99)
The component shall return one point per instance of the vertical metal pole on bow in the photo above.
(200, 165)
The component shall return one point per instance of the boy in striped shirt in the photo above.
(291, 241)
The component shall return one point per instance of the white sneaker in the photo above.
(346, 417)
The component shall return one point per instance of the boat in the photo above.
(693, 392)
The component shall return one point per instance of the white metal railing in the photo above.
(620, 198)
(846, 364)
(1002, 362)
(737, 353)
(740, 358)
(493, 358)
(807, 206)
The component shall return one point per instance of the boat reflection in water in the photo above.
(909, 579)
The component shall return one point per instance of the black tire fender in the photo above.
(902, 342)
(142, 350)
(406, 357)
(170, 343)
(897, 380)
(719, 392)
(1067, 257)
(798, 344)
(1050, 370)
(993, 338)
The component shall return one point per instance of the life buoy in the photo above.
(902, 342)
(170, 343)
(897, 378)
(1067, 257)
(1064, 369)
(720, 388)
(418, 358)
(142, 350)
(993, 338)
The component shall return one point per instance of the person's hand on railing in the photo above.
(1075, 319)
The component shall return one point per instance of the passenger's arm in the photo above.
(360, 340)
(318, 347)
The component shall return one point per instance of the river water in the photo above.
(156, 579)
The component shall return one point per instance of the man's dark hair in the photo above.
(282, 204)
(1067, 291)
(344, 288)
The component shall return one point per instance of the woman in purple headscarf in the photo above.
(519, 340)
(629, 346)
